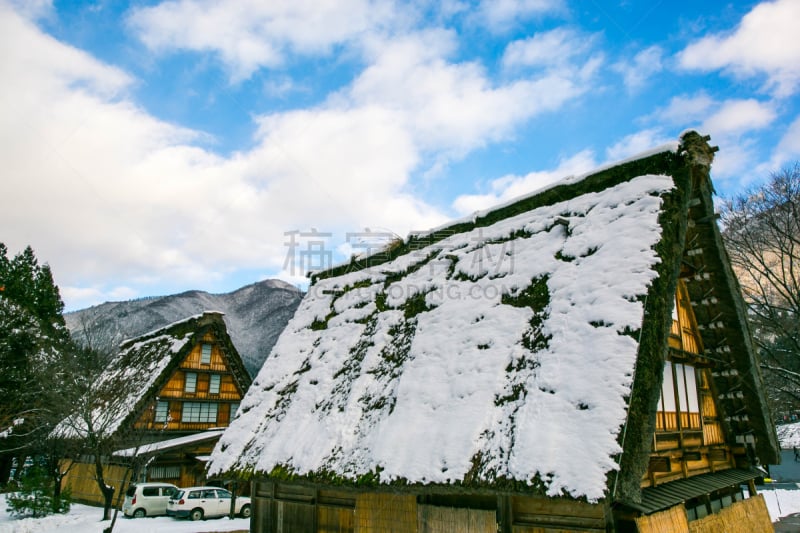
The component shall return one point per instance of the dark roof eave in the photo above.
(677, 492)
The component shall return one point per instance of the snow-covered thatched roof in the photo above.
(133, 377)
(499, 351)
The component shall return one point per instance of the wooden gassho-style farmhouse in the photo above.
(574, 360)
(163, 401)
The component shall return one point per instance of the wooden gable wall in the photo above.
(689, 438)
(201, 393)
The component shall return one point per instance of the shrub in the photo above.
(34, 498)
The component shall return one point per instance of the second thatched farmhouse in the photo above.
(156, 411)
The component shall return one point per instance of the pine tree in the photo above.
(33, 339)
(34, 497)
(32, 287)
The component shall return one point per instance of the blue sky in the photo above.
(155, 147)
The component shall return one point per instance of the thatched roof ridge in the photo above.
(653, 162)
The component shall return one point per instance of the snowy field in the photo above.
(780, 502)
(86, 519)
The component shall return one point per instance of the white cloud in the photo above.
(281, 86)
(734, 162)
(110, 192)
(685, 110)
(31, 9)
(251, 34)
(788, 149)
(337, 166)
(765, 42)
(500, 15)
(730, 123)
(509, 187)
(790, 143)
(717, 118)
(49, 65)
(454, 107)
(644, 64)
(554, 48)
(80, 297)
(636, 143)
(738, 116)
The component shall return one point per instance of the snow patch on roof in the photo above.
(502, 352)
(129, 376)
(147, 449)
(172, 325)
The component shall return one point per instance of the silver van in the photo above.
(147, 499)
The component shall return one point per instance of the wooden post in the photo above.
(504, 518)
(751, 487)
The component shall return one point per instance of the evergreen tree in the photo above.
(34, 496)
(33, 339)
(32, 287)
(47, 301)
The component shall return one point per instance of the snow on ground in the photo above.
(86, 519)
(781, 502)
(789, 435)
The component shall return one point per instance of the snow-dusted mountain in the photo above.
(255, 316)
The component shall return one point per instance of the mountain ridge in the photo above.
(254, 314)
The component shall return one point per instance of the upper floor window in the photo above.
(191, 382)
(199, 412)
(213, 383)
(162, 411)
(678, 407)
(683, 334)
(205, 354)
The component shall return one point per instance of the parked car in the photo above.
(147, 499)
(198, 503)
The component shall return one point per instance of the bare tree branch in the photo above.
(762, 235)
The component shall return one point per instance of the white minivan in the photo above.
(147, 499)
(198, 503)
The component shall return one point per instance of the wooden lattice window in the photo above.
(205, 354)
(190, 385)
(162, 411)
(679, 405)
(213, 383)
(164, 472)
(199, 412)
